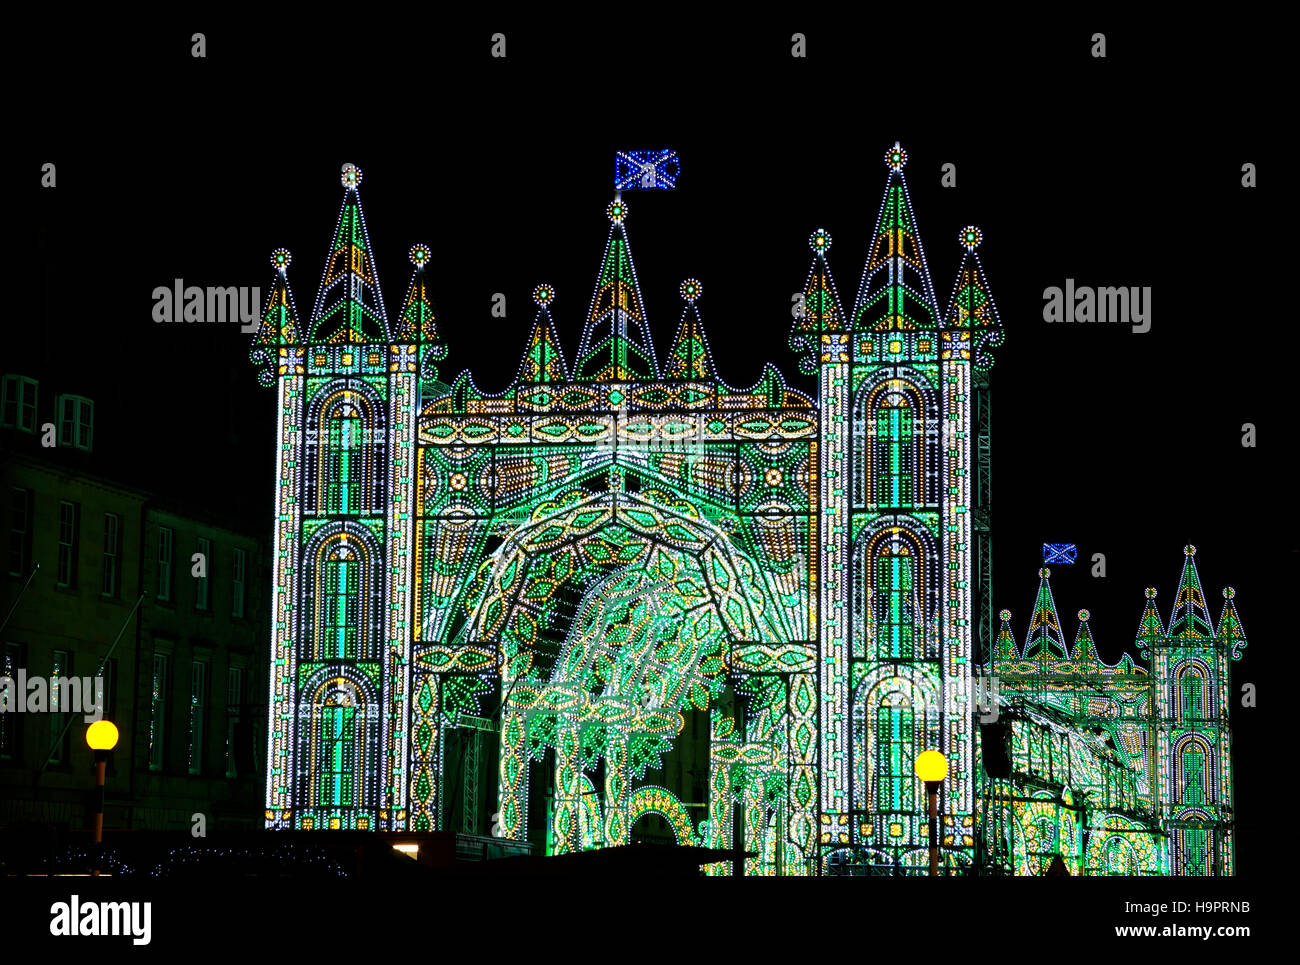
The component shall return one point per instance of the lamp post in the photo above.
(932, 767)
(101, 736)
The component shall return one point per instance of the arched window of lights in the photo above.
(1119, 857)
(1193, 691)
(1194, 771)
(892, 463)
(346, 451)
(894, 718)
(896, 752)
(894, 593)
(341, 751)
(342, 591)
(341, 602)
(1193, 846)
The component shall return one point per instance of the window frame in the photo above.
(68, 548)
(76, 424)
(166, 566)
(111, 581)
(20, 540)
(21, 394)
(202, 584)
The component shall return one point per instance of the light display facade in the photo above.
(570, 569)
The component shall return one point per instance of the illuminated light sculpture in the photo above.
(580, 561)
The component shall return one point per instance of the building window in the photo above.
(10, 732)
(1193, 776)
(341, 592)
(338, 759)
(20, 531)
(69, 525)
(234, 698)
(18, 409)
(894, 759)
(1192, 693)
(158, 712)
(237, 583)
(202, 595)
(198, 684)
(344, 458)
(112, 528)
(894, 437)
(76, 421)
(165, 540)
(895, 592)
(60, 735)
(1195, 852)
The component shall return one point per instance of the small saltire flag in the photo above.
(646, 170)
(1060, 552)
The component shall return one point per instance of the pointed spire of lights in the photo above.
(971, 305)
(418, 322)
(896, 294)
(690, 359)
(819, 333)
(1231, 632)
(350, 307)
(1191, 618)
(1045, 640)
(1005, 650)
(543, 359)
(280, 326)
(1085, 649)
(616, 342)
(1150, 629)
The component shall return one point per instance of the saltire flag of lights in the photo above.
(646, 170)
(1060, 553)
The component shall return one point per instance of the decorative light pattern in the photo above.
(588, 559)
(1151, 742)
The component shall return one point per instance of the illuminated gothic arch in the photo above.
(346, 457)
(338, 735)
(895, 717)
(1191, 689)
(664, 593)
(1195, 771)
(895, 435)
(895, 589)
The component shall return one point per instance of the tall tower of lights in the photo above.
(897, 542)
(339, 682)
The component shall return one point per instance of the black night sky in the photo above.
(1124, 171)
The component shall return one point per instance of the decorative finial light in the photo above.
(1229, 593)
(896, 157)
(543, 295)
(1189, 550)
(351, 176)
(1083, 615)
(420, 255)
(1004, 615)
(820, 242)
(691, 289)
(1151, 592)
(617, 211)
(280, 259)
(971, 237)
(1044, 572)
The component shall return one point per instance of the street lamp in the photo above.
(932, 767)
(101, 736)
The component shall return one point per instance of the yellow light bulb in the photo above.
(102, 735)
(931, 766)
